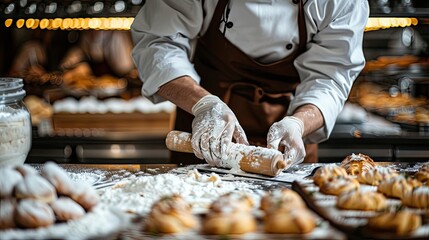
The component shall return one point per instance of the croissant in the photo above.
(339, 185)
(327, 172)
(281, 199)
(295, 221)
(397, 186)
(423, 173)
(357, 164)
(361, 200)
(402, 222)
(375, 175)
(417, 198)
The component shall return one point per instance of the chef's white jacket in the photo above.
(165, 33)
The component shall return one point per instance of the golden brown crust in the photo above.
(66, 209)
(7, 211)
(35, 187)
(356, 164)
(339, 185)
(86, 196)
(327, 172)
(170, 214)
(417, 198)
(33, 214)
(397, 186)
(281, 199)
(296, 221)
(402, 222)
(361, 200)
(375, 175)
(58, 178)
(423, 173)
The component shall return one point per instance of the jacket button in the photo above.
(295, 1)
(289, 46)
(229, 24)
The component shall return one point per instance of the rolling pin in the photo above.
(251, 159)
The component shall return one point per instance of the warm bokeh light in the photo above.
(124, 23)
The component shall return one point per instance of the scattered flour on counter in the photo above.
(102, 221)
(137, 195)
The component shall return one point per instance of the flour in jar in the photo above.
(15, 132)
(137, 195)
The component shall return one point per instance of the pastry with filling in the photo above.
(423, 173)
(356, 164)
(361, 200)
(35, 187)
(375, 175)
(59, 178)
(338, 185)
(7, 213)
(417, 198)
(293, 221)
(281, 198)
(327, 172)
(230, 214)
(32, 213)
(397, 186)
(9, 178)
(66, 209)
(401, 223)
(170, 214)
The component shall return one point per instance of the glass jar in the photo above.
(15, 123)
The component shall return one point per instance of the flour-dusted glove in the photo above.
(213, 128)
(288, 134)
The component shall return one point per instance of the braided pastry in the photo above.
(361, 200)
(339, 185)
(423, 173)
(170, 214)
(230, 214)
(357, 164)
(375, 175)
(417, 198)
(281, 199)
(402, 222)
(294, 221)
(397, 186)
(328, 172)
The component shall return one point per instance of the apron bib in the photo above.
(259, 94)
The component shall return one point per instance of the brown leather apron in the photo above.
(258, 94)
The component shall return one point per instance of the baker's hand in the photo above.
(288, 134)
(213, 128)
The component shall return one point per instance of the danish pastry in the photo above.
(170, 215)
(397, 186)
(417, 198)
(230, 214)
(327, 172)
(67, 209)
(361, 200)
(295, 221)
(357, 164)
(281, 199)
(58, 178)
(402, 222)
(35, 187)
(7, 210)
(375, 175)
(339, 185)
(32, 213)
(9, 177)
(423, 173)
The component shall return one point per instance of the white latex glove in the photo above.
(213, 128)
(288, 133)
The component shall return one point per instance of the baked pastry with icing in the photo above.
(338, 185)
(356, 164)
(402, 222)
(327, 172)
(32, 213)
(66, 209)
(9, 178)
(7, 213)
(26, 170)
(230, 214)
(417, 198)
(293, 221)
(375, 175)
(85, 195)
(397, 186)
(423, 173)
(58, 178)
(170, 214)
(361, 200)
(35, 187)
(283, 198)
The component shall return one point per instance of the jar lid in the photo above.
(11, 89)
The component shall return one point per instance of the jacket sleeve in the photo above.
(333, 60)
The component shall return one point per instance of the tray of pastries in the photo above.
(368, 200)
